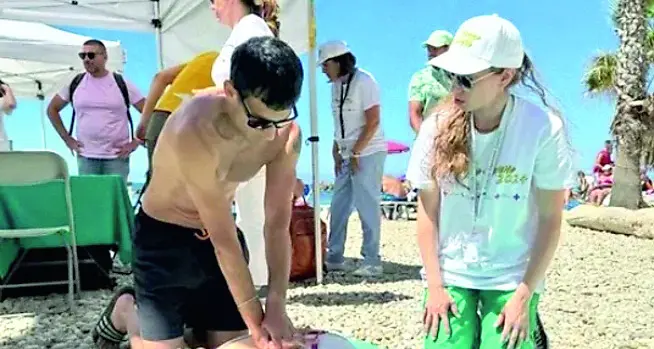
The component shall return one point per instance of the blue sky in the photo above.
(561, 36)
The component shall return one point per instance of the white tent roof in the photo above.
(31, 52)
(187, 26)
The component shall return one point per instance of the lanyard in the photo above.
(486, 175)
(344, 94)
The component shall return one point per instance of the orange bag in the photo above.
(303, 260)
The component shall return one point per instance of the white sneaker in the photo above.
(335, 266)
(369, 271)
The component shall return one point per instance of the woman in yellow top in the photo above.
(167, 92)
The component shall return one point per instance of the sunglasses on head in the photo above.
(466, 81)
(90, 55)
(261, 123)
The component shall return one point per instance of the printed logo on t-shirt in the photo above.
(507, 182)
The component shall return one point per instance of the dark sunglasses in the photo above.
(83, 55)
(261, 123)
(467, 81)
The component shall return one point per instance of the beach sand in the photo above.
(600, 294)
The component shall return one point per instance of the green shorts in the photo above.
(479, 310)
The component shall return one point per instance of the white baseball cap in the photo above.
(438, 38)
(480, 43)
(332, 49)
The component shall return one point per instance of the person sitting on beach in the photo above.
(645, 182)
(190, 260)
(492, 169)
(394, 188)
(602, 187)
(580, 189)
(298, 193)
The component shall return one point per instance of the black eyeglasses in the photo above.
(83, 55)
(261, 123)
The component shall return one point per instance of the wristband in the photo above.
(247, 301)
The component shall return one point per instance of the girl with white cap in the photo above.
(492, 169)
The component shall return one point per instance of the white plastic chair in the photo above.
(28, 168)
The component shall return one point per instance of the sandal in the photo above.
(540, 336)
(104, 334)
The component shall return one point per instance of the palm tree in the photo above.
(622, 75)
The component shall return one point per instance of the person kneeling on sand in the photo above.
(492, 169)
(189, 264)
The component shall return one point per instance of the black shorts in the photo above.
(178, 281)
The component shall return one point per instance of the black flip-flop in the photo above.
(104, 330)
(540, 336)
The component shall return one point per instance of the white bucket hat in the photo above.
(480, 43)
(332, 49)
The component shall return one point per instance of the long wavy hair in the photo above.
(268, 10)
(452, 141)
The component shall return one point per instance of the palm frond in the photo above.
(613, 12)
(649, 43)
(600, 77)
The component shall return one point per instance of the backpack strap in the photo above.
(71, 90)
(125, 92)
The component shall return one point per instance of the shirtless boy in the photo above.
(189, 264)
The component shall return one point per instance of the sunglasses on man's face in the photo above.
(261, 123)
(90, 55)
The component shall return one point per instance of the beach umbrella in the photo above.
(396, 147)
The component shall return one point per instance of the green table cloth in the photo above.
(101, 205)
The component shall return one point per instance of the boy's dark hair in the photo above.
(95, 42)
(267, 68)
(347, 62)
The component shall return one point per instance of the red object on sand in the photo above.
(396, 147)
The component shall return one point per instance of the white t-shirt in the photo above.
(4, 139)
(536, 154)
(249, 196)
(248, 27)
(363, 94)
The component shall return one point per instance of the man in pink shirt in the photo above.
(103, 140)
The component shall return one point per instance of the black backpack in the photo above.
(123, 90)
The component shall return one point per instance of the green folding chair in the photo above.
(30, 168)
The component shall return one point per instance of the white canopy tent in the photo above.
(37, 60)
(183, 28)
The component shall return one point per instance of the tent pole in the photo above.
(313, 105)
(156, 22)
(41, 97)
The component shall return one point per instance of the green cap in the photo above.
(439, 38)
